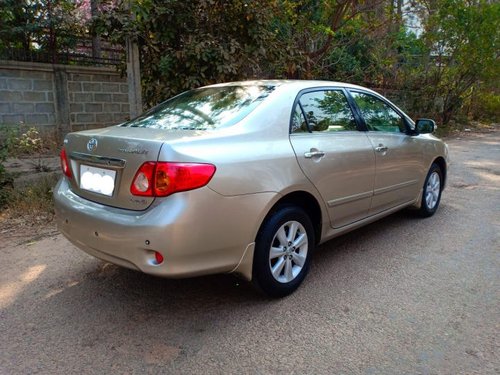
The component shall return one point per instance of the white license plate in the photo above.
(97, 180)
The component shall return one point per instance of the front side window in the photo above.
(325, 111)
(203, 109)
(378, 115)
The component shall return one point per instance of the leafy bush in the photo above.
(30, 142)
(186, 44)
(6, 180)
(15, 142)
(488, 107)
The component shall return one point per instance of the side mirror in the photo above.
(425, 126)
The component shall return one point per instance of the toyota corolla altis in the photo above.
(245, 178)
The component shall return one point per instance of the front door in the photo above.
(337, 158)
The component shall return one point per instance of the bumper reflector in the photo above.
(158, 257)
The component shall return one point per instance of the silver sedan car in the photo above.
(245, 178)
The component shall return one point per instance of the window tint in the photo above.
(203, 109)
(377, 114)
(327, 111)
(299, 124)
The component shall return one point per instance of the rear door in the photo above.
(398, 155)
(336, 157)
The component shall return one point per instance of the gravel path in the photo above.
(401, 296)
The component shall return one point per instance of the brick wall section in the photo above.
(61, 98)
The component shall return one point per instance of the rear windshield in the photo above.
(203, 109)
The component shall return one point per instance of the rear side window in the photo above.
(203, 109)
(299, 124)
(378, 115)
(324, 111)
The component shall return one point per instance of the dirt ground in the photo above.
(401, 296)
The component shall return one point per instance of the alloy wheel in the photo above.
(432, 190)
(288, 251)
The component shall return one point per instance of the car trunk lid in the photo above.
(104, 162)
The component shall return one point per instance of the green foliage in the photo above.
(6, 180)
(487, 107)
(306, 33)
(9, 136)
(190, 44)
(463, 40)
(15, 142)
(448, 70)
(48, 26)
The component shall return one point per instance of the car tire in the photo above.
(431, 193)
(283, 250)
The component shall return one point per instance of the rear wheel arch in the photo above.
(283, 250)
(308, 203)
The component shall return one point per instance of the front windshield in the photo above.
(203, 109)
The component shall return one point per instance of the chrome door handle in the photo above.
(313, 154)
(381, 148)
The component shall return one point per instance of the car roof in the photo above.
(296, 84)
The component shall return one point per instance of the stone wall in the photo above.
(61, 98)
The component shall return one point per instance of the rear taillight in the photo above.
(144, 180)
(159, 179)
(65, 163)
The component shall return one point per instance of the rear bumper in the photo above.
(198, 232)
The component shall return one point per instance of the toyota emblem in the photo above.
(92, 144)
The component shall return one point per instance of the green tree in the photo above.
(48, 26)
(193, 43)
(313, 35)
(447, 69)
(461, 37)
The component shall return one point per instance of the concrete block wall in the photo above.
(61, 98)
(26, 97)
(97, 99)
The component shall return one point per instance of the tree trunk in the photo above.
(52, 47)
(96, 41)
